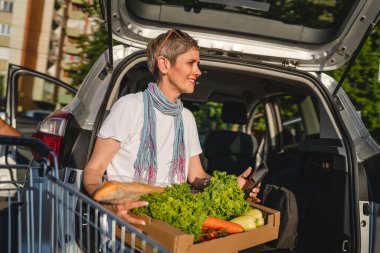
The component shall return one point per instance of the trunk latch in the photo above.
(293, 63)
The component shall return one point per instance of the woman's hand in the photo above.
(241, 181)
(122, 211)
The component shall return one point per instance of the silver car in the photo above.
(263, 65)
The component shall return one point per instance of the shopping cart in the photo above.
(39, 212)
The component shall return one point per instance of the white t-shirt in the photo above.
(124, 124)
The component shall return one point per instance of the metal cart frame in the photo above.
(40, 212)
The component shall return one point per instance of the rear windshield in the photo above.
(311, 21)
(311, 13)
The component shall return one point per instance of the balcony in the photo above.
(72, 49)
(5, 17)
(73, 32)
(77, 15)
(3, 65)
(5, 40)
(77, 2)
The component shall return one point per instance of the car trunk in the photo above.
(315, 169)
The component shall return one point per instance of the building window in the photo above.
(5, 29)
(6, 6)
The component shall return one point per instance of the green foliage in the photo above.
(208, 118)
(259, 124)
(317, 14)
(92, 45)
(362, 84)
(2, 85)
(186, 211)
(223, 198)
(176, 206)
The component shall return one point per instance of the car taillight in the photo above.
(51, 131)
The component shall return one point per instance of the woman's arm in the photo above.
(196, 170)
(104, 151)
(7, 130)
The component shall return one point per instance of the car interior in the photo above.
(260, 114)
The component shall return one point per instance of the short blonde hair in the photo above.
(170, 45)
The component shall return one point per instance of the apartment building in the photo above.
(6, 10)
(41, 34)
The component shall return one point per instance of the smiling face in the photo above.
(180, 77)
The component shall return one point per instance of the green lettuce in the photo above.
(177, 206)
(223, 198)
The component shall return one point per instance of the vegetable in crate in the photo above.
(176, 206)
(252, 219)
(246, 221)
(229, 227)
(221, 199)
(257, 215)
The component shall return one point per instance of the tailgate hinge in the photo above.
(293, 63)
(338, 103)
(345, 246)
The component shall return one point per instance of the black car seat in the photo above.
(228, 150)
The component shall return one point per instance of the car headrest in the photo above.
(234, 112)
(224, 142)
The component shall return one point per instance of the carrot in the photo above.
(218, 224)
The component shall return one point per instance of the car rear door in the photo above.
(30, 97)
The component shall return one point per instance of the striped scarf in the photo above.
(146, 162)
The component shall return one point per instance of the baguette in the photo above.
(113, 192)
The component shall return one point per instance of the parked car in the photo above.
(270, 58)
(37, 114)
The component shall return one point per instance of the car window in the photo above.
(316, 14)
(259, 124)
(293, 129)
(37, 94)
(298, 118)
(36, 98)
(208, 118)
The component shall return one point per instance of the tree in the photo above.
(92, 45)
(2, 85)
(362, 84)
(208, 117)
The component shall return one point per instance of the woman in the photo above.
(149, 136)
